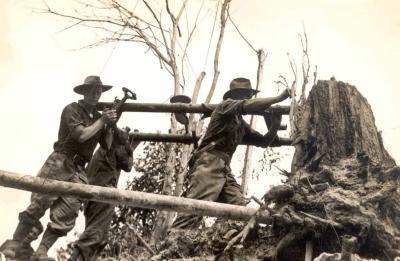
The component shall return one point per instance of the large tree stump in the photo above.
(341, 172)
(342, 194)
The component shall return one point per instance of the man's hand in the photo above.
(273, 122)
(285, 94)
(109, 116)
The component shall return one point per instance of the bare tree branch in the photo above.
(184, 56)
(158, 20)
(305, 65)
(223, 18)
(261, 56)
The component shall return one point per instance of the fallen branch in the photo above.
(283, 220)
(243, 234)
(322, 221)
(250, 225)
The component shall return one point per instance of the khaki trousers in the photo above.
(211, 180)
(98, 218)
(63, 210)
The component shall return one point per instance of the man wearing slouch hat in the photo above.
(210, 175)
(81, 128)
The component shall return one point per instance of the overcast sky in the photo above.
(356, 41)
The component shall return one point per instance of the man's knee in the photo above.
(39, 205)
(63, 219)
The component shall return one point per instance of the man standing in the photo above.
(210, 175)
(81, 128)
(104, 170)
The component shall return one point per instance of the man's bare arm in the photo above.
(260, 104)
(84, 133)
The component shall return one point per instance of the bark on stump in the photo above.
(337, 122)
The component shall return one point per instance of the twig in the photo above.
(315, 75)
(147, 246)
(211, 36)
(322, 220)
(305, 65)
(244, 38)
(259, 202)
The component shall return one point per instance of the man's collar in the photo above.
(90, 109)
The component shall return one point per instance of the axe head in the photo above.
(128, 94)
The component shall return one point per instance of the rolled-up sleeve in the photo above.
(72, 119)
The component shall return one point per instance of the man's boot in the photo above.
(48, 239)
(26, 224)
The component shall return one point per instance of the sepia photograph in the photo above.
(199, 130)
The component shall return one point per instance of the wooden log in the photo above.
(184, 108)
(130, 198)
(188, 139)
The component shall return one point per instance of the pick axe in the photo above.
(117, 104)
(128, 94)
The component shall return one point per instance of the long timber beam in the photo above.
(188, 139)
(129, 198)
(184, 108)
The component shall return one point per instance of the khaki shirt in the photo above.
(226, 129)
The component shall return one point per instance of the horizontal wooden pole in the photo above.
(188, 139)
(183, 108)
(129, 198)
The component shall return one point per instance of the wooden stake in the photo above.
(309, 250)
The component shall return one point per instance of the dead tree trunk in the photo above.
(340, 172)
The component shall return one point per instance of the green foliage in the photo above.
(151, 167)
